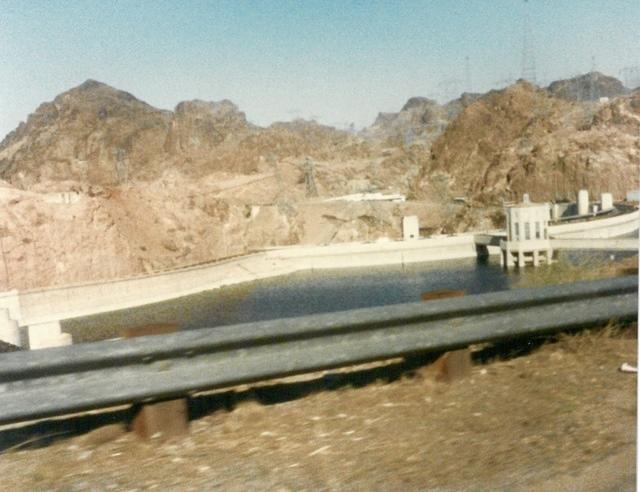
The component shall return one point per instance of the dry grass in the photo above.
(563, 272)
(587, 341)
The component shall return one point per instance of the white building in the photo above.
(527, 234)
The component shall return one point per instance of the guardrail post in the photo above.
(454, 364)
(164, 419)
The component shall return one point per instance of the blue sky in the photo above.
(336, 61)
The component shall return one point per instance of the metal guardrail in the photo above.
(56, 381)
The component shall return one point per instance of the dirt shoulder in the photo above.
(560, 418)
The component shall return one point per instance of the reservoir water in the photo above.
(307, 293)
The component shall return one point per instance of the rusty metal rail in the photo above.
(56, 381)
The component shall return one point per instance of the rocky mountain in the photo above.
(99, 135)
(523, 139)
(588, 87)
(89, 133)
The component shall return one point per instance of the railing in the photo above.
(56, 381)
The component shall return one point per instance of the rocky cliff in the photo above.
(523, 139)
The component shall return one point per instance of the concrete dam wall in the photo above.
(59, 303)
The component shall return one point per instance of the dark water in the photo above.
(300, 294)
(313, 292)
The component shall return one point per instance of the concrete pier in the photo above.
(49, 334)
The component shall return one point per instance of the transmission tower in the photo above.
(528, 56)
(309, 178)
(122, 166)
(577, 87)
(592, 82)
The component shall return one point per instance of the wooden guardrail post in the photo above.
(163, 419)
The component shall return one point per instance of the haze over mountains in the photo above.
(155, 189)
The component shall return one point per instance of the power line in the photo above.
(528, 56)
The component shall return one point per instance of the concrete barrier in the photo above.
(620, 244)
(58, 303)
(37, 308)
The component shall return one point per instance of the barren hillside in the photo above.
(98, 135)
(521, 139)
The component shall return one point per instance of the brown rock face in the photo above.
(199, 126)
(98, 135)
(92, 133)
(521, 139)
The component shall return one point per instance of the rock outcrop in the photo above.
(92, 133)
(99, 135)
(522, 139)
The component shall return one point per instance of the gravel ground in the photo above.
(559, 417)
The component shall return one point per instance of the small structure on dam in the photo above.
(583, 208)
(410, 227)
(527, 234)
